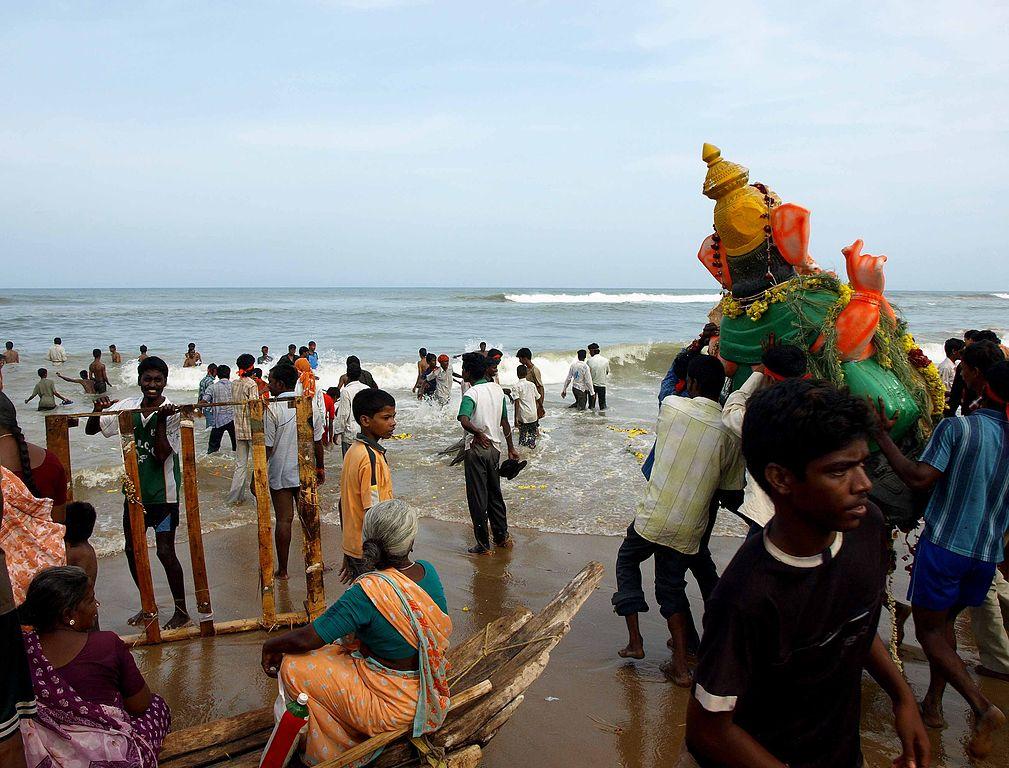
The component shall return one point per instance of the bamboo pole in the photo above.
(234, 627)
(181, 407)
(308, 509)
(138, 528)
(58, 441)
(261, 486)
(193, 526)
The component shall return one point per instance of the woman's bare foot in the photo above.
(980, 744)
(986, 672)
(633, 650)
(178, 620)
(931, 715)
(137, 619)
(282, 575)
(679, 674)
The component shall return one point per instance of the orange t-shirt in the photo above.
(358, 494)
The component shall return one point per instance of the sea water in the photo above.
(583, 477)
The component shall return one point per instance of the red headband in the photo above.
(989, 393)
(774, 376)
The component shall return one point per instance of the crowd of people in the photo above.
(788, 627)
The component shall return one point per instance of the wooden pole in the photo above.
(138, 528)
(308, 509)
(261, 485)
(233, 627)
(58, 441)
(193, 526)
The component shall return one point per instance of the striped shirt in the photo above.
(968, 512)
(695, 456)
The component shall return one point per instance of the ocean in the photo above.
(583, 477)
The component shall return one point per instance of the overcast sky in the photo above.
(527, 144)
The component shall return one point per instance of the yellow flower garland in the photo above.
(756, 308)
(930, 375)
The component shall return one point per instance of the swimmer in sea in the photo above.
(84, 381)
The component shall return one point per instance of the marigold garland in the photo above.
(754, 307)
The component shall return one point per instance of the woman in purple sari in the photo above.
(94, 707)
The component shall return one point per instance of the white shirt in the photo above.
(599, 366)
(443, 384)
(280, 429)
(757, 505)
(579, 377)
(947, 372)
(524, 396)
(57, 354)
(343, 423)
(489, 401)
(110, 424)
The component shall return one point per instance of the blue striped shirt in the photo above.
(968, 512)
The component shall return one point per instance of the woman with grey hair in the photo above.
(375, 660)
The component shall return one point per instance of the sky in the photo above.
(512, 144)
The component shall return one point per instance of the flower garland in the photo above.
(925, 368)
(754, 307)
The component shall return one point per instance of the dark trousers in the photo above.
(600, 395)
(483, 494)
(581, 399)
(216, 433)
(527, 434)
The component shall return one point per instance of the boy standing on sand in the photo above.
(158, 443)
(365, 478)
(280, 430)
(792, 623)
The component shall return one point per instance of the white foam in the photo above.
(1001, 295)
(597, 297)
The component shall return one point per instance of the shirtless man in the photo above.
(192, 358)
(143, 353)
(10, 354)
(84, 381)
(99, 376)
(116, 357)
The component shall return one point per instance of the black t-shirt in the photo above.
(786, 640)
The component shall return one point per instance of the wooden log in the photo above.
(308, 509)
(365, 748)
(280, 621)
(138, 528)
(252, 744)
(462, 657)
(469, 757)
(216, 732)
(195, 530)
(493, 725)
(58, 441)
(261, 487)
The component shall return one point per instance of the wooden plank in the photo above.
(251, 744)
(58, 441)
(233, 627)
(195, 530)
(208, 734)
(138, 528)
(261, 488)
(308, 510)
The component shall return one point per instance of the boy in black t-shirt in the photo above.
(792, 622)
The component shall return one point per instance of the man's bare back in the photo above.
(11, 356)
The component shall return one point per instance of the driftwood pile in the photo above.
(490, 670)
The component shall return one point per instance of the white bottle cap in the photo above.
(303, 699)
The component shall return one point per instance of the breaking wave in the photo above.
(1001, 295)
(597, 297)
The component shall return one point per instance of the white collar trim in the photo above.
(801, 562)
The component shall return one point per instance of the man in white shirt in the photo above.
(344, 423)
(947, 368)
(599, 367)
(580, 380)
(442, 379)
(525, 397)
(56, 352)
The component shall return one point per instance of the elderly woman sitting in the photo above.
(94, 707)
(389, 670)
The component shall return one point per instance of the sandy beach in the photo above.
(590, 708)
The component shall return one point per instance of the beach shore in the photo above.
(590, 708)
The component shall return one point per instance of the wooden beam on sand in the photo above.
(261, 490)
(58, 441)
(280, 621)
(138, 528)
(195, 529)
(308, 510)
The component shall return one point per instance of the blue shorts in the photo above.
(941, 580)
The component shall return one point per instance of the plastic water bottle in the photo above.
(284, 739)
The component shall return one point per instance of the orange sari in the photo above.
(352, 698)
(31, 541)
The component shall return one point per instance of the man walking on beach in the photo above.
(696, 457)
(56, 352)
(966, 520)
(265, 357)
(792, 623)
(243, 390)
(484, 416)
(10, 354)
(222, 418)
(580, 379)
(158, 443)
(599, 367)
(97, 373)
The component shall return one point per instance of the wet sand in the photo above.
(606, 712)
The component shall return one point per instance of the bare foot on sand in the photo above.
(137, 619)
(677, 673)
(282, 575)
(633, 650)
(980, 744)
(986, 672)
(178, 620)
(691, 651)
(932, 715)
(902, 612)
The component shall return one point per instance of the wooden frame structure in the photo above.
(58, 441)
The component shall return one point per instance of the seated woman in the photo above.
(94, 707)
(394, 673)
(37, 467)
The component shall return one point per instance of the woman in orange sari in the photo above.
(375, 660)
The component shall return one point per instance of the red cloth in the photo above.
(104, 672)
(50, 479)
(330, 405)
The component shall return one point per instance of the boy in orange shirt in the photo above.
(365, 478)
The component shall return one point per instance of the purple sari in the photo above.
(71, 732)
